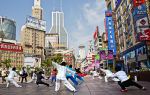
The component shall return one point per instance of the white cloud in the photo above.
(92, 16)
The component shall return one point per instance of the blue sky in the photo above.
(81, 16)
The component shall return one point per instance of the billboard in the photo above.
(35, 23)
(140, 10)
(32, 61)
(141, 21)
(105, 56)
(138, 2)
(145, 35)
(111, 34)
(117, 3)
(11, 47)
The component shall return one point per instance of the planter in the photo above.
(141, 75)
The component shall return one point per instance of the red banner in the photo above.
(138, 2)
(145, 35)
(11, 47)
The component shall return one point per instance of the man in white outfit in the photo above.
(61, 76)
(11, 76)
(108, 74)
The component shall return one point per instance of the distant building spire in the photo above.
(37, 3)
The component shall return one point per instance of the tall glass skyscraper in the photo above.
(58, 27)
(7, 28)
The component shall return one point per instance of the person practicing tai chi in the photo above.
(124, 80)
(95, 74)
(39, 79)
(61, 76)
(10, 78)
(108, 74)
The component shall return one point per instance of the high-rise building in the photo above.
(7, 28)
(82, 52)
(59, 28)
(37, 11)
(33, 33)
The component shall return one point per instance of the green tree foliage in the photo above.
(6, 63)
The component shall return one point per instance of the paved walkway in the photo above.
(89, 87)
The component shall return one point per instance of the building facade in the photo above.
(59, 28)
(132, 27)
(13, 52)
(33, 33)
(7, 28)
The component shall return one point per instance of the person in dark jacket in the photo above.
(39, 79)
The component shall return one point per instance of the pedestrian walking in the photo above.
(61, 76)
(23, 74)
(10, 78)
(53, 75)
(4, 74)
(125, 81)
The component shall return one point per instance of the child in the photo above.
(11, 76)
(39, 79)
(124, 80)
(61, 76)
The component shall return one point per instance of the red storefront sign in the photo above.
(138, 2)
(11, 47)
(145, 35)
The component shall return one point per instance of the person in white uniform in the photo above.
(108, 74)
(10, 78)
(125, 81)
(61, 76)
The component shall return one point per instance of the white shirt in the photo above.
(61, 74)
(95, 73)
(121, 75)
(12, 74)
(107, 72)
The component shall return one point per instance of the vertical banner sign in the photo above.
(111, 32)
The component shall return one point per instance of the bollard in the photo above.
(135, 78)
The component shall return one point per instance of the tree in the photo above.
(57, 58)
(6, 63)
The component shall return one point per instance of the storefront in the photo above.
(137, 59)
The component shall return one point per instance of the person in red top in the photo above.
(53, 75)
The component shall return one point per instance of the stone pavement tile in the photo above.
(99, 93)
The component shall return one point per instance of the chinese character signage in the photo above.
(11, 47)
(138, 2)
(111, 34)
(140, 10)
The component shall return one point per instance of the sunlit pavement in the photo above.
(89, 87)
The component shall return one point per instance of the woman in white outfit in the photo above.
(108, 74)
(61, 76)
(11, 76)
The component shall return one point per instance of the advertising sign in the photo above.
(140, 10)
(102, 55)
(145, 35)
(111, 34)
(138, 2)
(110, 54)
(11, 47)
(108, 13)
(35, 23)
(117, 3)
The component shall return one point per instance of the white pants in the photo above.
(66, 83)
(8, 81)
